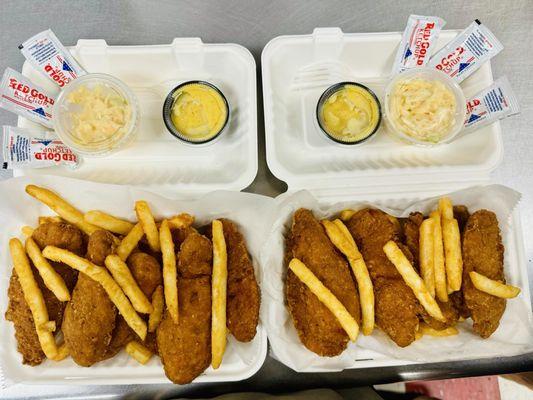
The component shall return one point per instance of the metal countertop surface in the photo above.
(252, 23)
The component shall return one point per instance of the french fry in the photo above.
(145, 216)
(48, 326)
(130, 241)
(108, 222)
(493, 287)
(170, 276)
(61, 207)
(100, 275)
(418, 334)
(342, 239)
(441, 289)
(348, 323)
(347, 214)
(33, 297)
(62, 352)
(138, 352)
(427, 330)
(52, 280)
(158, 304)
(27, 231)
(427, 254)
(183, 220)
(218, 294)
(411, 278)
(452, 252)
(445, 208)
(54, 218)
(122, 275)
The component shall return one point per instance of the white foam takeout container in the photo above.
(383, 171)
(156, 160)
(251, 212)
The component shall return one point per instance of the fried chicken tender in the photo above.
(185, 347)
(90, 315)
(317, 327)
(147, 273)
(396, 306)
(56, 234)
(483, 253)
(411, 231)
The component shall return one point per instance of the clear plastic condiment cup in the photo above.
(64, 109)
(429, 74)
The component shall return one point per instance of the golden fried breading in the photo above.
(185, 348)
(317, 327)
(483, 253)
(396, 306)
(59, 234)
(243, 292)
(449, 311)
(411, 232)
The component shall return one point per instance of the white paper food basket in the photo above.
(382, 173)
(251, 212)
(156, 160)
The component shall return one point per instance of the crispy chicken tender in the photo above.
(185, 348)
(396, 306)
(56, 234)
(90, 315)
(411, 231)
(483, 253)
(317, 327)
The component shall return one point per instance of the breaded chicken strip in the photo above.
(147, 273)
(185, 348)
(90, 315)
(243, 292)
(55, 234)
(411, 232)
(483, 253)
(396, 306)
(317, 327)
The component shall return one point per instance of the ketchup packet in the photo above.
(418, 41)
(496, 102)
(22, 148)
(46, 53)
(20, 95)
(467, 52)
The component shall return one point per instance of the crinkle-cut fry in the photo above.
(182, 220)
(427, 330)
(145, 216)
(441, 287)
(341, 238)
(412, 279)
(138, 352)
(122, 275)
(64, 209)
(219, 291)
(452, 253)
(47, 219)
(347, 214)
(130, 241)
(346, 320)
(108, 222)
(100, 275)
(52, 280)
(158, 304)
(33, 297)
(62, 352)
(27, 230)
(170, 275)
(427, 254)
(493, 287)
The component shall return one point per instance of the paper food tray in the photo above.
(299, 154)
(513, 337)
(157, 160)
(251, 212)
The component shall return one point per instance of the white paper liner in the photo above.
(514, 336)
(253, 214)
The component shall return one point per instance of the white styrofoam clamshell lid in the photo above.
(298, 153)
(156, 160)
(252, 213)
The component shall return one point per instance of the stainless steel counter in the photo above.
(252, 23)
